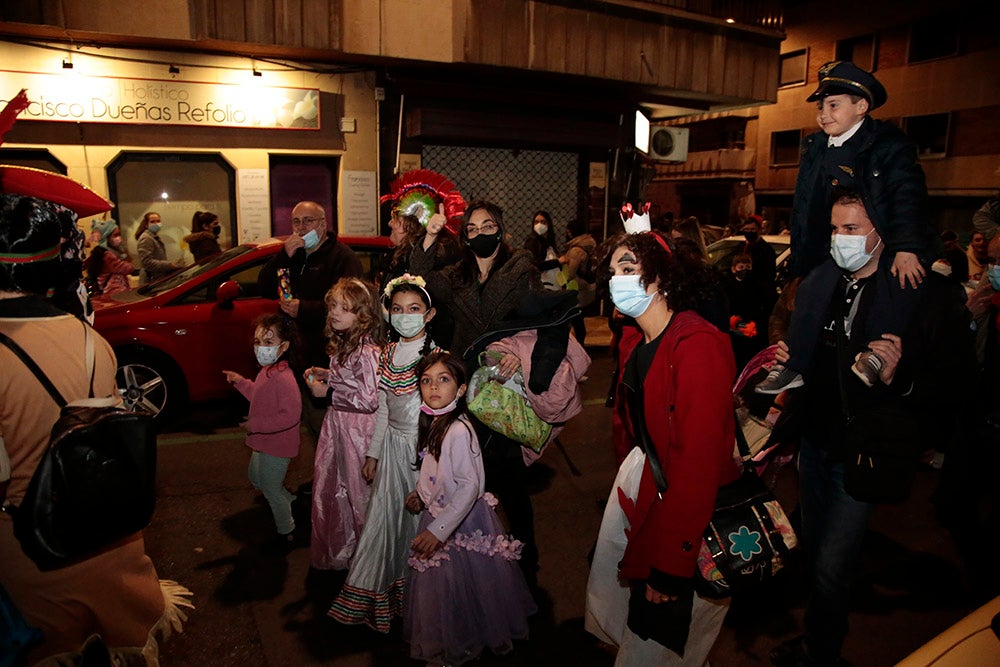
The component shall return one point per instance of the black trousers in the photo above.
(507, 479)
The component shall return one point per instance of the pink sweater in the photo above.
(275, 411)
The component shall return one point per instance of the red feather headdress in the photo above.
(419, 192)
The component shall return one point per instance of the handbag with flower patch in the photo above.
(749, 536)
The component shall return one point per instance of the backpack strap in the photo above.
(33, 367)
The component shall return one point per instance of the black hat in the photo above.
(846, 78)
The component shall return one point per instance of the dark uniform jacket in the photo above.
(891, 183)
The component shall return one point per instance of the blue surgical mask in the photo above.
(629, 295)
(154, 227)
(848, 251)
(311, 239)
(993, 273)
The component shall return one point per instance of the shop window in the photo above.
(785, 147)
(296, 178)
(175, 185)
(930, 133)
(858, 50)
(933, 37)
(793, 67)
(36, 158)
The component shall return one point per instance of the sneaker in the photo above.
(778, 380)
(867, 366)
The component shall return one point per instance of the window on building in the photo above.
(793, 67)
(296, 178)
(785, 147)
(933, 37)
(859, 50)
(36, 158)
(930, 133)
(175, 185)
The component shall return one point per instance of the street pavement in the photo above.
(261, 606)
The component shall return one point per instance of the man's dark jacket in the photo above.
(892, 187)
(312, 275)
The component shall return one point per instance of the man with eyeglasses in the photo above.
(315, 260)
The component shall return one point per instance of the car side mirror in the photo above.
(226, 293)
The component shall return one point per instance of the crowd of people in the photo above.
(884, 320)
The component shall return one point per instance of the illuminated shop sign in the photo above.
(89, 99)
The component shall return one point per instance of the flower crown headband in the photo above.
(407, 279)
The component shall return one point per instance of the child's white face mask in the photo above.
(266, 354)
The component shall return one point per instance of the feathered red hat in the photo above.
(420, 192)
(41, 184)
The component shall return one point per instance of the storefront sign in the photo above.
(360, 204)
(75, 98)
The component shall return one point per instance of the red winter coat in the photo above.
(688, 402)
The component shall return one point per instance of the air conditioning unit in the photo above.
(668, 144)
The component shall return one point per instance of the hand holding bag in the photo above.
(506, 411)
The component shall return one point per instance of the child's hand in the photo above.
(368, 469)
(413, 502)
(231, 377)
(425, 544)
(315, 378)
(908, 268)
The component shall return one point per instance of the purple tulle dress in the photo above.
(470, 594)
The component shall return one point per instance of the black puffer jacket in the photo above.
(892, 186)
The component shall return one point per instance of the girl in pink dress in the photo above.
(350, 385)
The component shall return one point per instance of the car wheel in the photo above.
(148, 382)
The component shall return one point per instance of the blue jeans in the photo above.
(833, 529)
(267, 474)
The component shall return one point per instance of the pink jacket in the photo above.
(275, 411)
(114, 273)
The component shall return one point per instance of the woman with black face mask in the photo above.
(487, 283)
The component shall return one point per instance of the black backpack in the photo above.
(96, 483)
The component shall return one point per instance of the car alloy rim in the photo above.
(142, 388)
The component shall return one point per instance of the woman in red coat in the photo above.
(680, 370)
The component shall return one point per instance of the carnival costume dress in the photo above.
(373, 592)
(340, 494)
(470, 594)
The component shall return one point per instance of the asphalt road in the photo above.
(256, 606)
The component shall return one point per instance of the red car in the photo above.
(173, 337)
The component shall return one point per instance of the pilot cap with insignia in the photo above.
(846, 78)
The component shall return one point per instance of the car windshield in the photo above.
(721, 253)
(193, 271)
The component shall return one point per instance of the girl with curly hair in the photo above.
(350, 386)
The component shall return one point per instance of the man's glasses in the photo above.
(308, 222)
(488, 227)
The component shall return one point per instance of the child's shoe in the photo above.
(867, 366)
(778, 380)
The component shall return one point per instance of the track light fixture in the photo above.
(256, 72)
(174, 69)
(67, 63)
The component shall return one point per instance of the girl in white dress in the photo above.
(373, 592)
